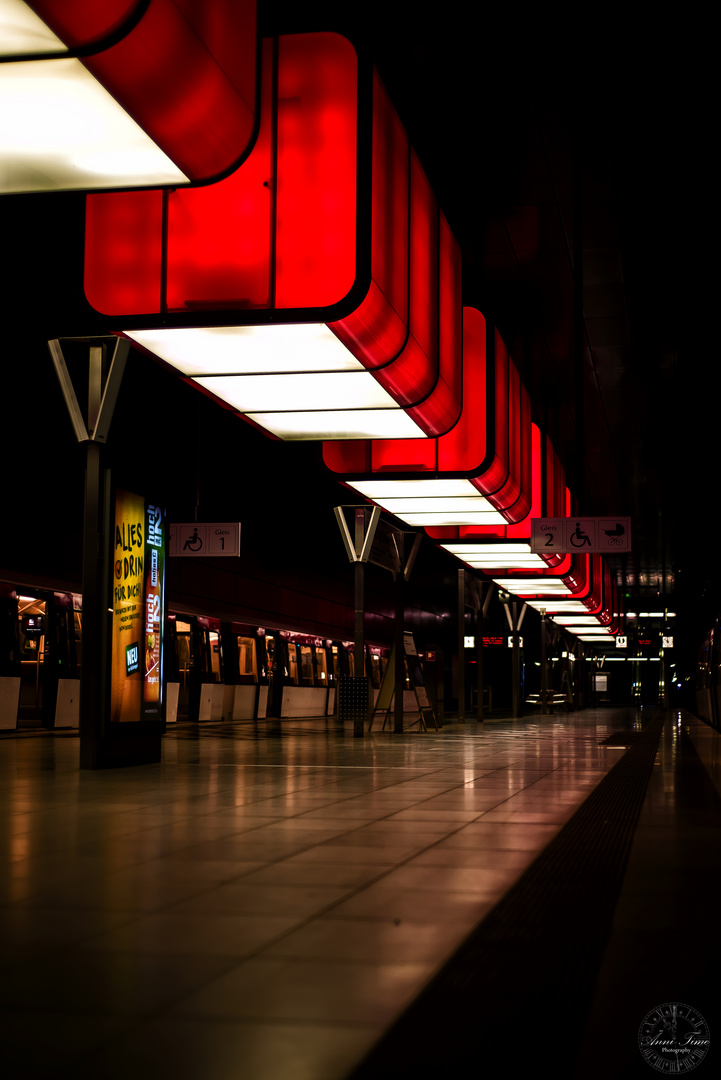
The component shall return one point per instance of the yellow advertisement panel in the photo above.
(128, 642)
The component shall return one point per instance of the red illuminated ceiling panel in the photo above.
(479, 473)
(592, 609)
(317, 289)
(506, 548)
(124, 93)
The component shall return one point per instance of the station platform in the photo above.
(289, 902)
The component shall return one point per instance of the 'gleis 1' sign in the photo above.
(206, 539)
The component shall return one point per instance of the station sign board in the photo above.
(206, 539)
(583, 535)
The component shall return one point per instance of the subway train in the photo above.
(214, 669)
(708, 678)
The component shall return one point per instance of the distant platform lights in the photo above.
(594, 612)
(477, 474)
(124, 93)
(316, 290)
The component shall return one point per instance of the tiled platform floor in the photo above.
(261, 905)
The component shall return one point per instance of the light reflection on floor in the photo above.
(262, 904)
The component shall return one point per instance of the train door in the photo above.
(211, 670)
(270, 698)
(9, 658)
(188, 666)
(245, 696)
(325, 674)
(62, 653)
(171, 671)
(31, 635)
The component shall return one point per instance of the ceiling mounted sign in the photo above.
(575, 533)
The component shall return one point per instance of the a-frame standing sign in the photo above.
(416, 678)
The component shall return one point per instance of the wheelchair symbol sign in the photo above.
(580, 534)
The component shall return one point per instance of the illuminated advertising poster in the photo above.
(154, 607)
(128, 611)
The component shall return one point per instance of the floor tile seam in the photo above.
(533, 783)
(336, 903)
(309, 847)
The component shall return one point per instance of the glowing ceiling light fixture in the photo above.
(493, 556)
(422, 502)
(575, 620)
(522, 586)
(315, 290)
(66, 67)
(248, 350)
(65, 131)
(507, 549)
(22, 31)
(478, 474)
(289, 379)
(553, 605)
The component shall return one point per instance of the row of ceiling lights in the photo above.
(315, 288)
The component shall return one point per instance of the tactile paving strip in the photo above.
(513, 999)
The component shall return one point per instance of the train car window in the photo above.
(336, 662)
(351, 663)
(321, 663)
(214, 641)
(292, 663)
(375, 671)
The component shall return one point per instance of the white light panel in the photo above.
(416, 489)
(448, 517)
(339, 424)
(310, 391)
(61, 130)
(297, 380)
(431, 502)
(533, 585)
(249, 350)
(493, 556)
(22, 31)
(575, 620)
